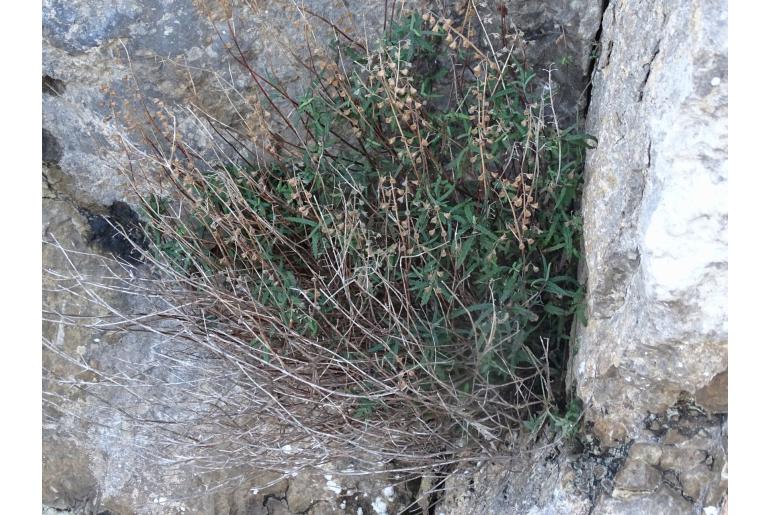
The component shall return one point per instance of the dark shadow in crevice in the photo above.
(119, 232)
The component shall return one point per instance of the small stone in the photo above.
(681, 459)
(599, 471)
(277, 507)
(646, 452)
(634, 478)
(694, 482)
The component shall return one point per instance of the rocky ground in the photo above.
(650, 366)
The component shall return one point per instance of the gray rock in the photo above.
(655, 214)
(325, 508)
(95, 55)
(636, 478)
(100, 54)
(655, 230)
(646, 452)
(308, 488)
(553, 34)
(97, 453)
(713, 396)
(530, 483)
(277, 507)
(662, 501)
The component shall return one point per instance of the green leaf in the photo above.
(554, 310)
(303, 221)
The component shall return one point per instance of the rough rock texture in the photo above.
(537, 484)
(94, 457)
(655, 215)
(554, 35)
(651, 366)
(677, 466)
(96, 54)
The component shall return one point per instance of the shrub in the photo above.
(387, 262)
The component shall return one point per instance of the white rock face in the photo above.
(655, 210)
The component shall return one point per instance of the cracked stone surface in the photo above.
(96, 458)
(677, 466)
(655, 215)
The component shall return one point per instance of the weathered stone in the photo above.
(96, 457)
(655, 218)
(176, 57)
(655, 211)
(554, 34)
(662, 501)
(309, 487)
(530, 484)
(96, 54)
(322, 493)
(689, 470)
(646, 452)
(655, 245)
(636, 477)
(277, 507)
(67, 484)
(713, 396)
(681, 458)
(324, 508)
(695, 481)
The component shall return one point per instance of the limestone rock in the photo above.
(531, 483)
(95, 458)
(655, 215)
(651, 365)
(554, 34)
(636, 478)
(96, 55)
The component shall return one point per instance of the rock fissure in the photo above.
(647, 68)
